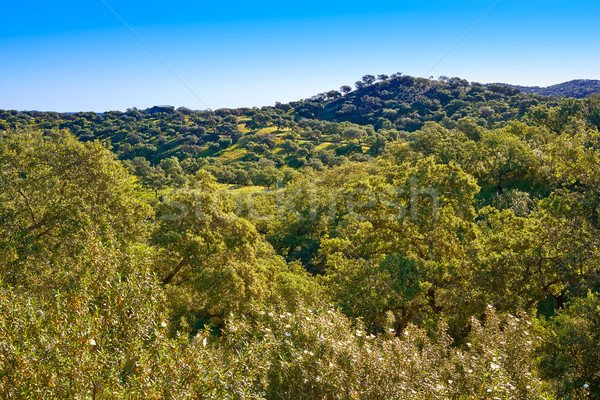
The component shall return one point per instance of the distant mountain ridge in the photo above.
(578, 88)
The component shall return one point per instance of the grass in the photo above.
(325, 146)
(232, 153)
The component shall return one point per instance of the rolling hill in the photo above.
(578, 88)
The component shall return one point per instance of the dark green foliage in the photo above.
(579, 89)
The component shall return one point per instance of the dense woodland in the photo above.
(403, 239)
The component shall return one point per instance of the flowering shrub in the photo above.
(319, 354)
(114, 345)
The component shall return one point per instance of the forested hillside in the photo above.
(403, 239)
(579, 89)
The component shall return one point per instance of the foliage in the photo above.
(571, 354)
(317, 353)
(213, 262)
(57, 195)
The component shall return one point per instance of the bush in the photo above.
(320, 354)
(570, 354)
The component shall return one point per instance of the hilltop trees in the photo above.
(368, 79)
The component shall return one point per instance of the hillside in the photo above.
(406, 103)
(251, 146)
(578, 89)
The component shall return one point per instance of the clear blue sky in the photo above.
(78, 56)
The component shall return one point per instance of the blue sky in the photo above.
(79, 56)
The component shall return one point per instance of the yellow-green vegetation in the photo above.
(232, 153)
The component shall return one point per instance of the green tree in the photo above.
(57, 195)
(402, 245)
(290, 146)
(211, 261)
(548, 253)
(570, 353)
(354, 133)
(345, 89)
